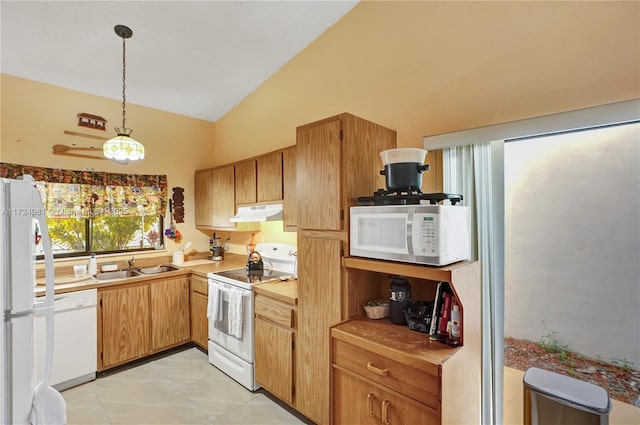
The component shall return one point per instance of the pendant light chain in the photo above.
(124, 86)
(123, 148)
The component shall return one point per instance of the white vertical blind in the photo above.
(475, 172)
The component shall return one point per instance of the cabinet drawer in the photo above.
(358, 402)
(415, 383)
(274, 310)
(199, 285)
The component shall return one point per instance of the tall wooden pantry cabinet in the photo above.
(337, 161)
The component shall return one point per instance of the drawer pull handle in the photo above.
(385, 411)
(370, 398)
(381, 372)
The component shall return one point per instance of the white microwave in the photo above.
(422, 234)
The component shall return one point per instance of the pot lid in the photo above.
(400, 155)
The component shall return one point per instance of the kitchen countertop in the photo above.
(286, 291)
(68, 283)
(202, 267)
(64, 284)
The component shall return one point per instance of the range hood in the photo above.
(258, 213)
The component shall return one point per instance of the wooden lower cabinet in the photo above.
(123, 324)
(319, 294)
(274, 346)
(138, 319)
(199, 321)
(170, 324)
(274, 359)
(358, 401)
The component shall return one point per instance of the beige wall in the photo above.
(421, 68)
(35, 115)
(427, 68)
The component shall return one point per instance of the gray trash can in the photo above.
(554, 399)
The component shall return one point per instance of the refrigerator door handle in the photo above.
(41, 217)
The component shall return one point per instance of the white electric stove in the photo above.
(230, 310)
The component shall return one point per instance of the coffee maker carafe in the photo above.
(399, 299)
(217, 248)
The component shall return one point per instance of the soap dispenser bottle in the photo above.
(93, 265)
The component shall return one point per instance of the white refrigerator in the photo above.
(24, 401)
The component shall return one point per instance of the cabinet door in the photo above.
(246, 182)
(199, 321)
(319, 291)
(274, 358)
(125, 324)
(203, 190)
(358, 402)
(318, 148)
(290, 199)
(269, 178)
(169, 312)
(223, 198)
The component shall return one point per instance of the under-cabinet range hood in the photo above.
(258, 213)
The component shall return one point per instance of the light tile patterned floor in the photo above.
(182, 388)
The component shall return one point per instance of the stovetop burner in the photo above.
(384, 197)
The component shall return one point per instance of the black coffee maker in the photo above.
(399, 299)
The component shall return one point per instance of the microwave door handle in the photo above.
(409, 229)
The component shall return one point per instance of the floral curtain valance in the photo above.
(81, 194)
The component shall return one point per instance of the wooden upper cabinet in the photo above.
(259, 180)
(246, 182)
(318, 175)
(223, 196)
(203, 191)
(215, 197)
(289, 189)
(269, 180)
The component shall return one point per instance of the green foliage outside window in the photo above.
(108, 234)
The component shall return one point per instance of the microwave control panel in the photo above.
(426, 227)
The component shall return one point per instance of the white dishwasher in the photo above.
(75, 339)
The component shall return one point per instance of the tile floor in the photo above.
(181, 388)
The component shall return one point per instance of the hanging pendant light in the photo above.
(123, 147)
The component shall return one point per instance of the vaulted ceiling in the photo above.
(195, 58)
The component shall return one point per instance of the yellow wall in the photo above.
(421, 68)
(35, 115)
(427, 68)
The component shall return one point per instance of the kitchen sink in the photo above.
(120, 274)
(157, 269)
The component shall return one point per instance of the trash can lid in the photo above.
(583, 395)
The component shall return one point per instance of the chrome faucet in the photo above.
(131, 263)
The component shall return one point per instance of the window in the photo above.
(98, 212)
(80, 236)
